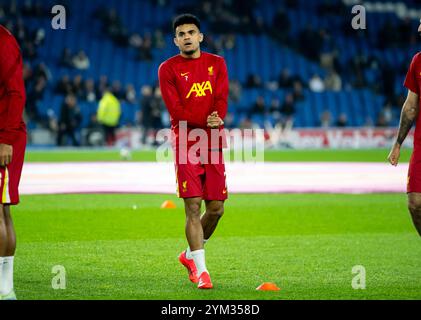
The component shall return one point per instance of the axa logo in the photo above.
(200, 89)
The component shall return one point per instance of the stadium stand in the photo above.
(124, 41)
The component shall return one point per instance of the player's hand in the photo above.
(6, 152)
(394, 154)
(214, 121)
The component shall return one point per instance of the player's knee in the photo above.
(216, 210)
(193, 209)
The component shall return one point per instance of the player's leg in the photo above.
(414, 206)
(190, 179)
(11, 234)
(9, 195)
(215, 193)
(194, 230)
(3, 232)
(3, 247)
(214, 212)
(189, 187)
(194, 234)
(6, 278)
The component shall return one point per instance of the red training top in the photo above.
(413, 83)
(12, 89)
(192, 89)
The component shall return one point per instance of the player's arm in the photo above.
(409, 113)
(215, 119)
(172, 99)
(13, 99)
(221, 92)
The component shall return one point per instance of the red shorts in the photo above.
(205, 179)
(10, 174)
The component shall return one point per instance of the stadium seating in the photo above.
(257, 54)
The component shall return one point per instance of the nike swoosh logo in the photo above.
(185, 74)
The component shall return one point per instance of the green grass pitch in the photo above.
(365, 155)
(306, 243)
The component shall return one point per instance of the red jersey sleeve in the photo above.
(411, 77)
(221, 92)
(172, 99)
(12, 99)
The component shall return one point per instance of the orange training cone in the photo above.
(268, 286)
(168, 204)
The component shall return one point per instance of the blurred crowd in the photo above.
(114, 28)
(238, 17)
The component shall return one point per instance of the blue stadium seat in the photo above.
(252, 54)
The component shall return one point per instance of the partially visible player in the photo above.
(409, 115)
(12, 151)
(194, 86)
